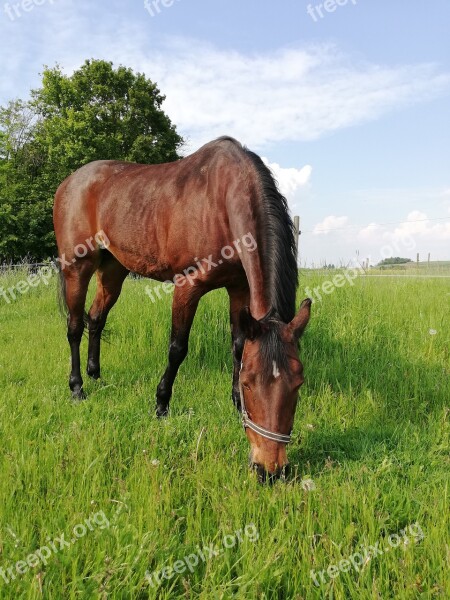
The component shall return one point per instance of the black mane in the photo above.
(279, 260)
(272, 348)
(279, 247)
(280, 268)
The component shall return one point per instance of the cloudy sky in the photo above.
(350, 107)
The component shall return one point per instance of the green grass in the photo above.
(423, 269)
(371, 431)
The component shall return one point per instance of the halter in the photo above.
(248, 423)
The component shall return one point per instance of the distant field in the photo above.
(413, 268)
(371, 455)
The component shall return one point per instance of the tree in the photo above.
(100, 112)
(394, 261)
(17, 173)
(96, 113)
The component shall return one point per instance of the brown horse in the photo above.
(221, 202)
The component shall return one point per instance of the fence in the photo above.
(30, 266)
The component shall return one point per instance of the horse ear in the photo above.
(249, 325)
(298, 324)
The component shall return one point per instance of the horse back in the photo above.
(156, 218)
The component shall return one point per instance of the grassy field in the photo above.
(414, 269)
(95, 495)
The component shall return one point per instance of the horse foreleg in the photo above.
(239, 298)
(184, 307)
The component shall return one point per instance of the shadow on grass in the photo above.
(406, 393)
(334, 446)
(406, 390)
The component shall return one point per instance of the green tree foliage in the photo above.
(21, 215)
(395, 260)
(97, 113)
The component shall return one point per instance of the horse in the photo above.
(113, 217)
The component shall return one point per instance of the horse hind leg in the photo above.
(76, 282)
(110, 277)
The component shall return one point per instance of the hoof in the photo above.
(94, 375)
(93, 371)
(78, 395)
(162, 411)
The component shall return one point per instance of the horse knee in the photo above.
(96, 323)
(75, 331)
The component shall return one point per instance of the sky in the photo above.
(346, 100)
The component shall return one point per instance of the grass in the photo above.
(422, 269)
(371, 432)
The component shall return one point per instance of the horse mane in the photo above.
(272, 347)
(279, 262)
(277, 238)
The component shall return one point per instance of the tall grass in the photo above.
(371, 432)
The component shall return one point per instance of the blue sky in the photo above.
(351, 109)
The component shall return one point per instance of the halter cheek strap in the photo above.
(249, 424)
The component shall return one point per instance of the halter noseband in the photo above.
(248, 423)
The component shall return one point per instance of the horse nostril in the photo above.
(285, 472)
(264, 476)
(260, 472)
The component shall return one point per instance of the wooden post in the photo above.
(297, 235)
(429, 259)
(418, 258)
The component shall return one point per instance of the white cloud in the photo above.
(330, 224)
(293, 94)
(370, 233)
(287, 95)
(418, 225)
(290, 180)
(446, 199)
(343, 241)
(417, 233)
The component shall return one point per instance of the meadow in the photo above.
(131, 496)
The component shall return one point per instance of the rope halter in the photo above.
(282, 438)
